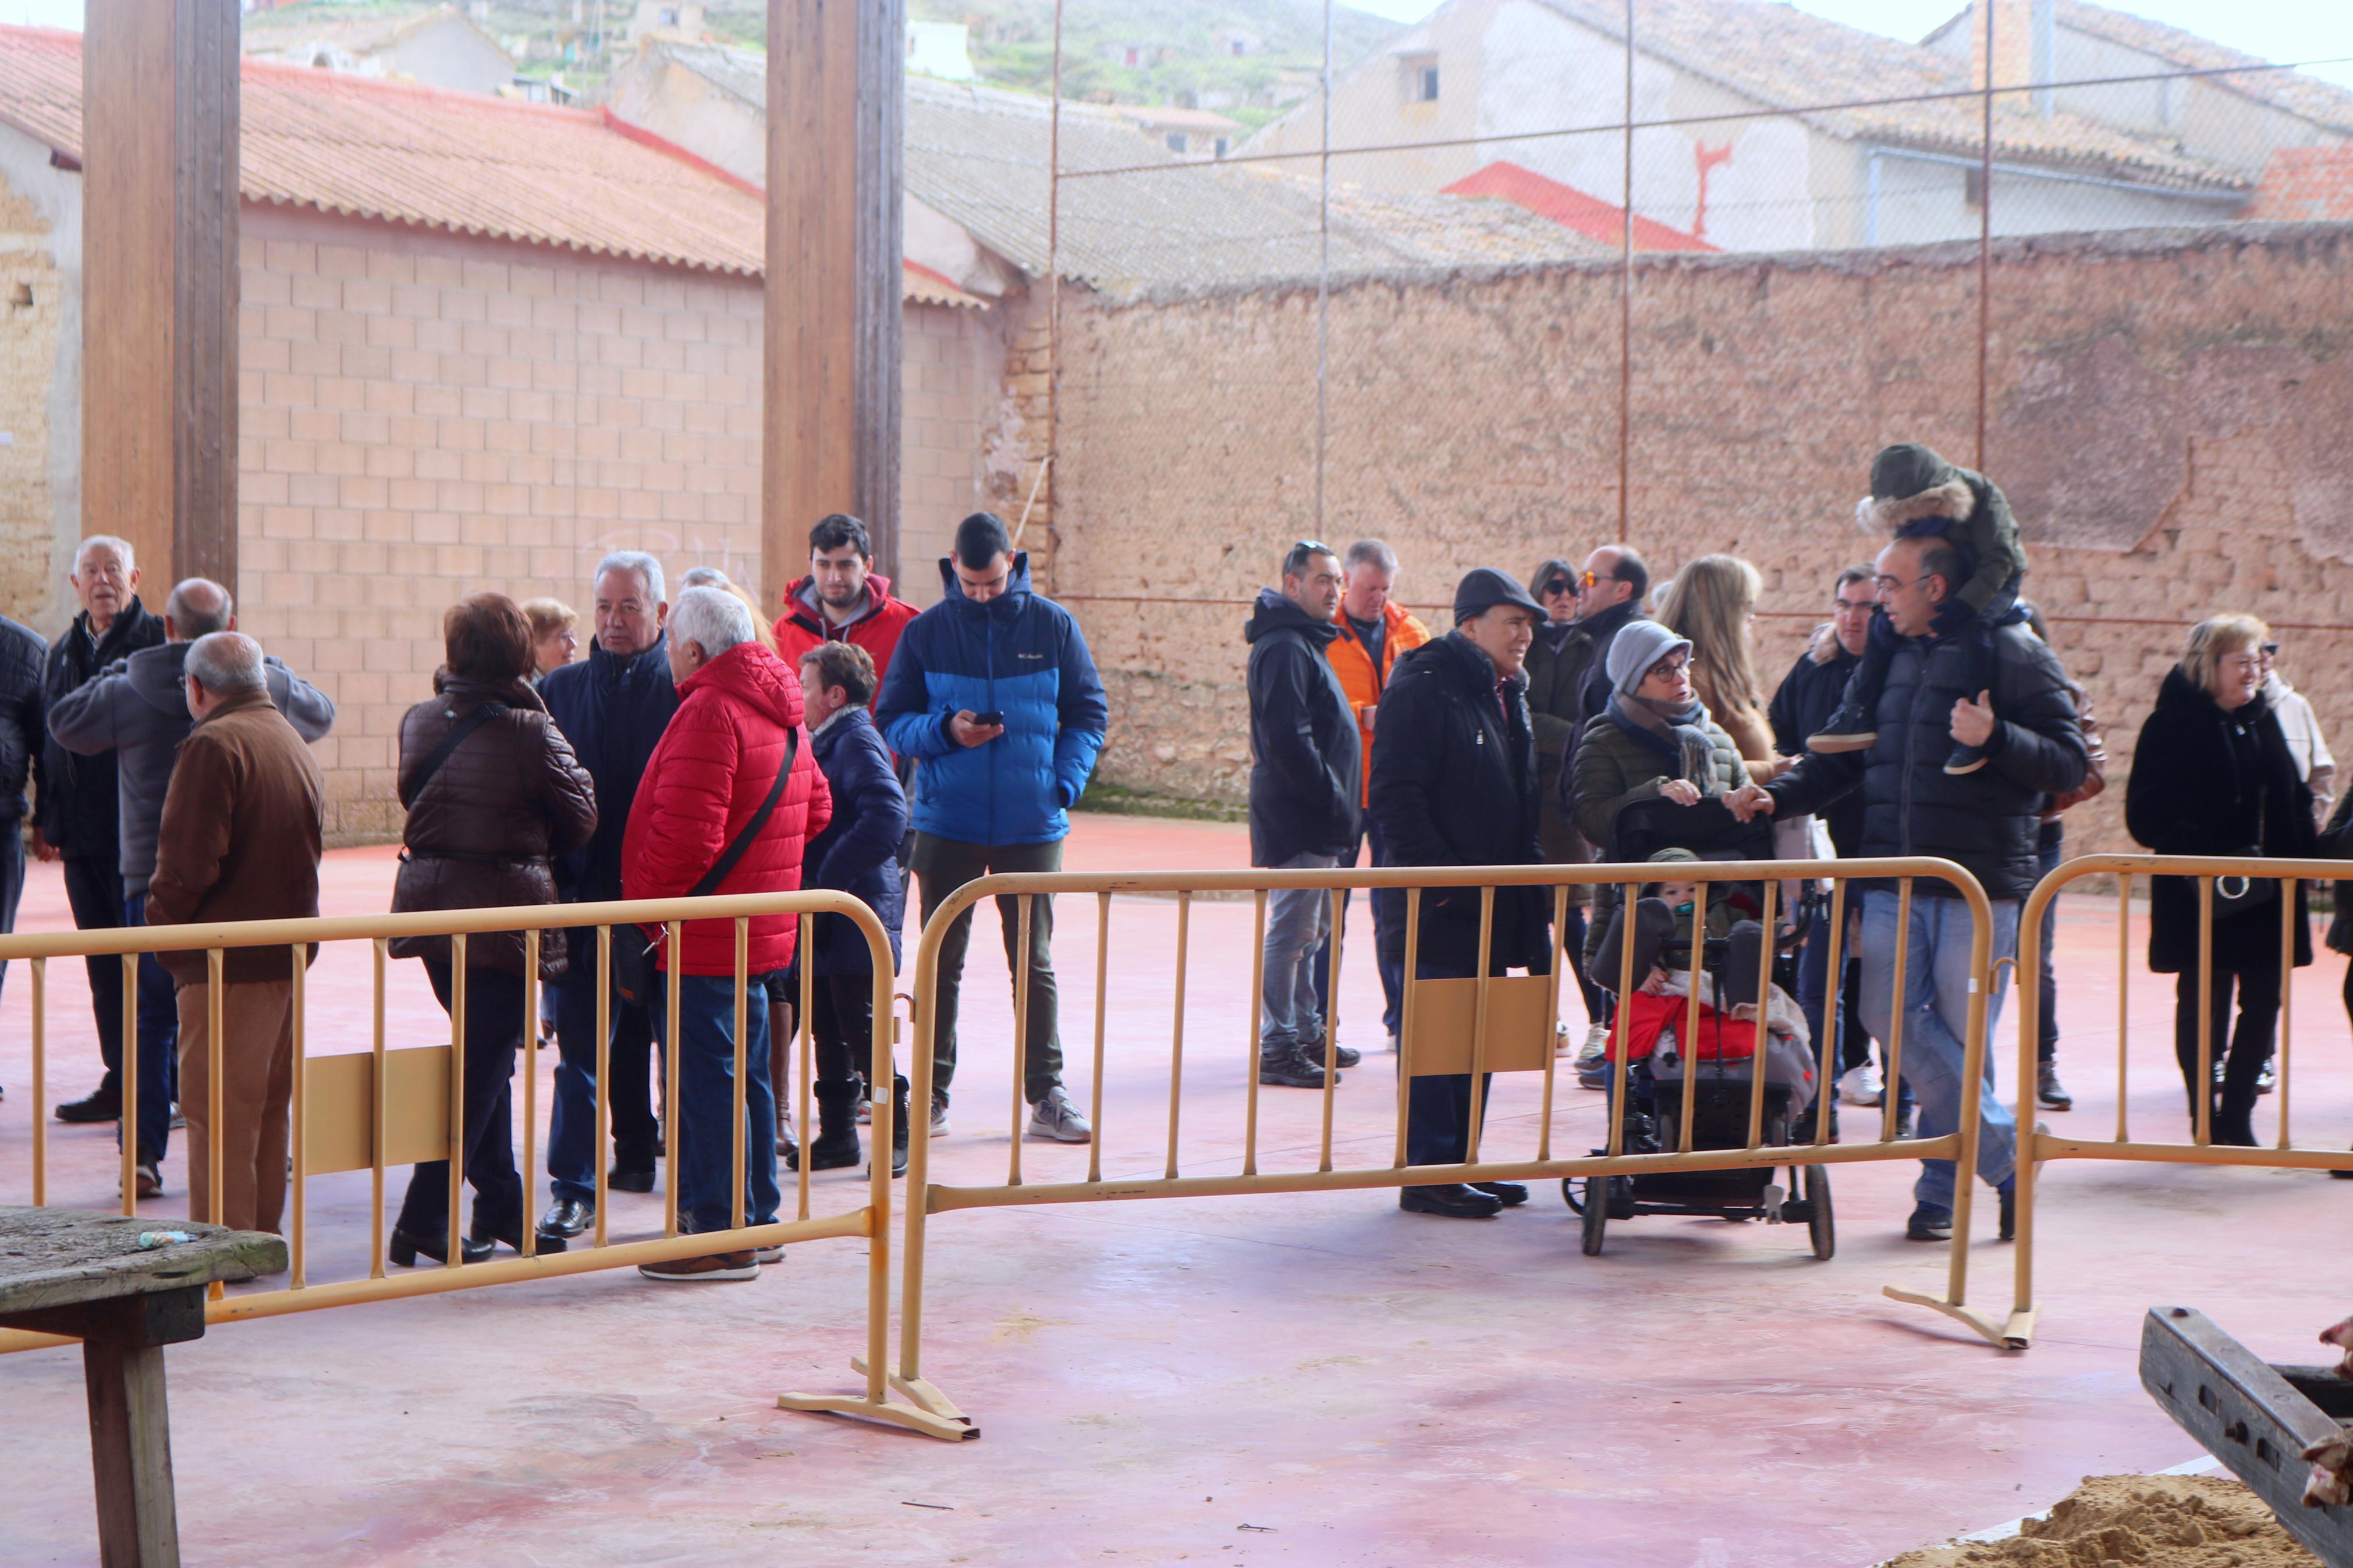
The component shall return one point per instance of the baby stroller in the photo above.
(1733, 1044)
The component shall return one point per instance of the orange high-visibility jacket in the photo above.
(1353, 662)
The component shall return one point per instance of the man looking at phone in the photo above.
(992, 690)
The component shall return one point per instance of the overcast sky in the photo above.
(2274, 29)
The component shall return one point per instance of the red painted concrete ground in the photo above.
(1358, 1386)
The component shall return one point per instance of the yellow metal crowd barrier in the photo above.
(2035, 1146)
(1473, 1025)
(387, 1108)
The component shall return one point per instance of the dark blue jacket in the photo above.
(613, 711)
(858, 852)
(22, 732)
(1021, 653)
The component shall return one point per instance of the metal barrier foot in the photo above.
(945, 1423)
(2011, 1335)
(923, 1391)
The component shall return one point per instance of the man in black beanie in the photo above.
(1455, 784)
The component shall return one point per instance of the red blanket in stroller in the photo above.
(1643, 1017)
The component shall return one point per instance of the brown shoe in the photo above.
(149, 1179)
(718, 1266)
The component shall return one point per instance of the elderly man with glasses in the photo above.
(1988, 821)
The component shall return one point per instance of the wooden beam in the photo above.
(160, 283)
(831, 391)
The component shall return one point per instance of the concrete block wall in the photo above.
(2166, 414)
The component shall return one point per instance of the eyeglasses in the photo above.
(1556, 587)
(1590, 580)
(1670, 666)
(1892, 584)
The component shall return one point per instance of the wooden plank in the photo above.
(54, 1257)
(131, 1451)
(159, 284)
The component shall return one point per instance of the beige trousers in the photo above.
(257, 1052)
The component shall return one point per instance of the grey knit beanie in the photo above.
(1637, 645)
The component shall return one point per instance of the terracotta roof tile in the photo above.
(469, 163)
(2322, 102)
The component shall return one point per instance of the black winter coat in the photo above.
(78, 811)
(1988, 821)
(22, 732)
(1455, 784)
(1596, 634)
(613, 711)
(1306, 754)
(858, 852)
(1807, 697)
(2208, 783)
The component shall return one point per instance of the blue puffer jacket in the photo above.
(856, 853)
(1021, 655)
(613, 711)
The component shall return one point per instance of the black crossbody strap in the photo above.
(449, 744)
(742, 841)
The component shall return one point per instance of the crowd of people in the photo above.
(862, 745)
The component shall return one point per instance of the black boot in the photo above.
(835, 1147)
(899, 1127)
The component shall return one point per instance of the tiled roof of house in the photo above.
(2322, 102)
(572, 179)
(1785, 59)
(980, 155)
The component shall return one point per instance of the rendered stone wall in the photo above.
(2168, 412)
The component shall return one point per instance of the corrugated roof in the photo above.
(572, 179)
(2322, 103)
(1786, 59)
(980, 155)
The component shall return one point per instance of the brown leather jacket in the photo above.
(480, 832)
(240, 835)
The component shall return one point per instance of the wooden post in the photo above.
(160, 283)
(831, 419)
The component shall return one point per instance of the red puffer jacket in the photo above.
(713, 767)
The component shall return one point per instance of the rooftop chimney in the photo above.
(2025, 44)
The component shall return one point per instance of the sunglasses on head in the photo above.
(2271, 650)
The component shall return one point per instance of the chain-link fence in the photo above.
(1510, 290)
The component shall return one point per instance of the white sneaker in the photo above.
(1596, 1045)
(1056, 1118)
(1859, 1084)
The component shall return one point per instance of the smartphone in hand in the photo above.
(992, 716)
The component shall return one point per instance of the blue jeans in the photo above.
(1849, 1044)
(572, 1150)
(1388, 908)
(703, 1099)
(1298, 923)
(1935, 1021)
(159, 1042)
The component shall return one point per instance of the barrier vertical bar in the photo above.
(1487, 955)
(882, 1128)
(216, 1006)
(1689, 1044)
(804, 1053)
(1764, 1001)
(297, 1001)
(126, 1125)
(2124, 993)
(2288, 891)
(1250, 1062)
(1552, 1013)
(1973, 1092)
(1176, 1027)
(1020, 1075)
(1404, 1019)
(1338, 904)
(674, 942)
(529, 1239)
(2203, 1094)
(454, 1250)
(2029, 1005)
(604, 1076)
(741, 1135)
(1103, 974)
(1834, 1017)
(379, 1092)
(1618, 1064)
(1897, 1010)
(40, 1081)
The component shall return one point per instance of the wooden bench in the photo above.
(89, 1275)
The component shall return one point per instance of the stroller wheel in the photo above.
(1596, 1215)
(1819, 1224)
(1569, 1194)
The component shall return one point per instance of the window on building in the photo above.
(1221, 146)
(1176, 141)
(669, 16)
(1973, 188)
(1420, 78)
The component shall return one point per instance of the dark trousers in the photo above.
(1438, 1106)
(159, 1040)
(2248, 1048)
(841, 1022)
(943, 865)
(94, 891)
(2053, 849)
(703, 1100)
(1573, 931)
(492, 1031)
(12, 885)
(571, 1150)
(1388, 910)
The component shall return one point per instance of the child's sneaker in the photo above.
(1965, 759)
(1848, 729)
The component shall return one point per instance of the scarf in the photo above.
(1678, 734)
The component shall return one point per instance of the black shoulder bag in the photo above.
(447, 748)
(633, 950)
(2240, 895)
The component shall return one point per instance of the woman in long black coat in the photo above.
(2212, 776)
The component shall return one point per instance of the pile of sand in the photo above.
(2137, 1521)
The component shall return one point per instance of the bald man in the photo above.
(137, 711)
